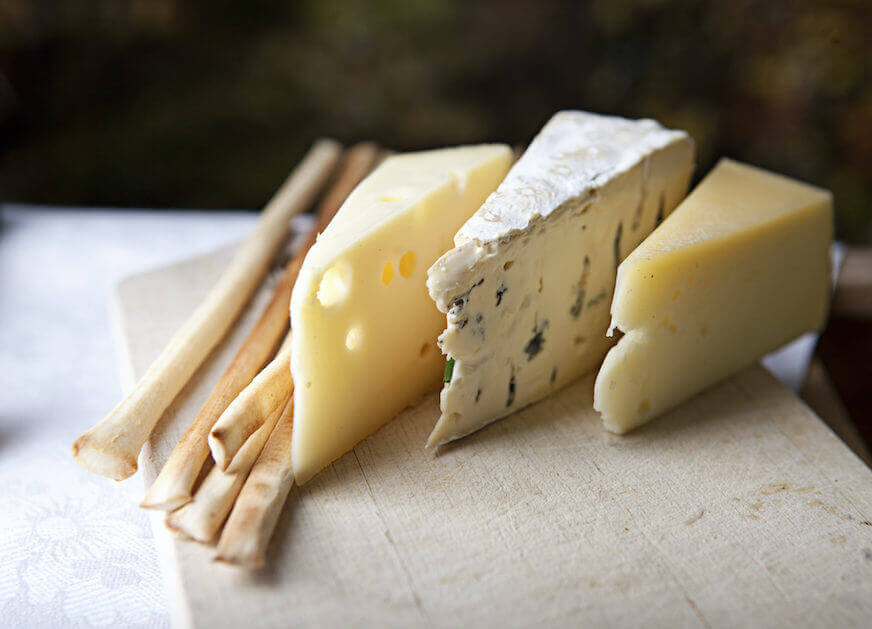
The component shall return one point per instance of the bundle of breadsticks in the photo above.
(233, 463)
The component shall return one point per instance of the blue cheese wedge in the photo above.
(364, 327)
(528, 284)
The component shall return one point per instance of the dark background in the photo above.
(208, 103)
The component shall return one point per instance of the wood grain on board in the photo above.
(739, 507)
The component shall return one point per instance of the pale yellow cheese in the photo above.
(737, 270)
(364, 325)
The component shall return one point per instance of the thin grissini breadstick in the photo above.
(172, 488)
(248, 412)
(233, 428)
(254, 516)
(111, 447)
(201, 518)
(253, 519)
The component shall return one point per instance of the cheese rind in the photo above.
(527, 286)
(364, 326)
(740, 268)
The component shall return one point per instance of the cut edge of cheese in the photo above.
(364, 326)
(739, 269)
(533, 270)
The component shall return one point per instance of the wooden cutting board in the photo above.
(739, 507)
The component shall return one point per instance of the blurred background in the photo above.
(207, 104)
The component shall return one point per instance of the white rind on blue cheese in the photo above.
(527, 287)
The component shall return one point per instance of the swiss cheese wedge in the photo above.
(364, 326)
(740, 268)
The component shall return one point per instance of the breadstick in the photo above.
(172, 488)
(201, 518)
(247, 413)
(233, 428)
(111, 447)
(254, 516)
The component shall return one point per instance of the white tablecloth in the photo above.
(74, 548)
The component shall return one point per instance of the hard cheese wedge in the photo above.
(740, 268)
(527, 286)
(364, 327)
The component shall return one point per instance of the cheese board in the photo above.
(739, 506)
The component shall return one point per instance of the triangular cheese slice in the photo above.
(528, 284)
(740, 268)
(364, 326)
